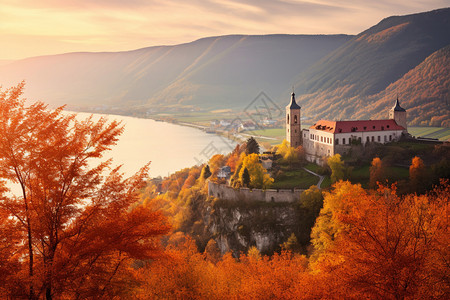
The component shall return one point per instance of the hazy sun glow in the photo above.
(30, 28)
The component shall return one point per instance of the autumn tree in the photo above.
(337, 167)
(72, 229)
(377, 172)
(418, 175)
(215, 163)
(259, 178)
(252, 146)
(327, 225)
(385, 246)
(235, 155)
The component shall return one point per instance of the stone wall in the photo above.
(225, 192)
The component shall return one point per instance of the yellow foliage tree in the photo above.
(289, 154)
(259, 178)
(327, 226)
(337, 167)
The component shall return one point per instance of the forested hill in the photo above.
(225, 71)
(372, 67)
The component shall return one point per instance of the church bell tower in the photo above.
(398, 114)
(293, 125)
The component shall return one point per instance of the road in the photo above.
(321, 178)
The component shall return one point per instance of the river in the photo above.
(169, 147)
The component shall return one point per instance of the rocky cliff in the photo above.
(238, 225)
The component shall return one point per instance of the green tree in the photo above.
(205, 172)
(337, 167)
(311, 201)
(246, 177)
(252, 146)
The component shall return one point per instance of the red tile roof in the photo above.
(356, 126)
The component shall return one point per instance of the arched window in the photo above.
(287, 121)
(295, 119)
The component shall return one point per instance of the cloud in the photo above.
(112, 25)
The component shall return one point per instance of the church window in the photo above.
(295, 119)
(379, 138)
(390, 137)
(287, 121)
(343, 141)
(337, 142)
(385, 138)
(373, 139)
(367, 139)
(321, 139)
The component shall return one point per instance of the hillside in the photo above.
(354, 80)
(226, 71)
(423, 91)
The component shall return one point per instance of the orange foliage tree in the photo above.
(418, 175)
(377, 172)
(388, 247)
(71, 231)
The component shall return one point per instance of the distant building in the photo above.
(247, 126)
(224, 173)
(327, 138)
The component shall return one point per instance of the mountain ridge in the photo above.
(343, 84)
(335, 76)
(154, 75)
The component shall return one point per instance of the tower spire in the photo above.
(293, 104)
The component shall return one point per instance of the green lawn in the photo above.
(362, 174)
(312, 167)
(295, 179)
(326, 183)
(269, 132)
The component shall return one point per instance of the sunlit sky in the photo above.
(39, 27)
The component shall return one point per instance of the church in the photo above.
(327, 138)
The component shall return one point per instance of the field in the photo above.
(440, 133)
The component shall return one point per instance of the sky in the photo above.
(40, 27)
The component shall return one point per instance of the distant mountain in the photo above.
(5, 62)
(335, 76)
(215, 72)
(380, 62)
